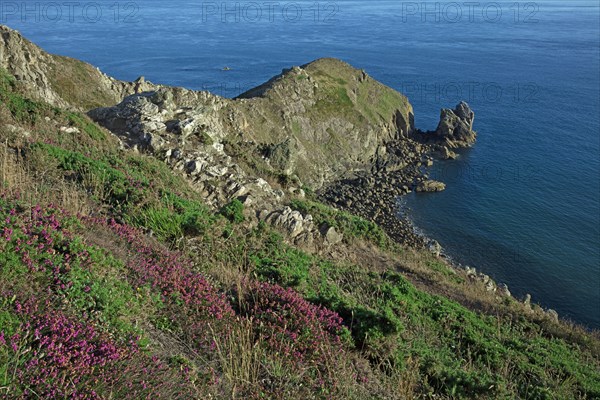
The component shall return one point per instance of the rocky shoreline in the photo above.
(401, 169)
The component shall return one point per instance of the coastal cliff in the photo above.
(58, 80)
(312, 123)
(158, 242)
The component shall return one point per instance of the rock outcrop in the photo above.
(336, 115)
(300, 228)
(455, 130)
(155, 118)
(313, 123)
(430, 186)
(182, 128)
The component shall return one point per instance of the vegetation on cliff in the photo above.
(117, 280)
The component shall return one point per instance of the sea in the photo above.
(522, 205)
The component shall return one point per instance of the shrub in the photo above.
(233, 211)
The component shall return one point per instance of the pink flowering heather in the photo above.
(42, 244)
(191, 300)
(64, 356)
(301, 332)
(56, 356)
(172, 274)
(52, 353)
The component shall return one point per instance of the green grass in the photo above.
(205, 138)
(333, 98)
(22, 109)
(349, 225)
(72, 80)
(43, 121)
(444, 270)
(282, 264)
(233, 211)
(9, 323)
(98, 290)
(98, 176)
(174, 217)
(140, 190)
(459, 353)
(374, 103)
(296, 130)
(90, 128)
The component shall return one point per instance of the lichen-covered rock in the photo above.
(444, 153)
(283, 156)
(434, 247)
(332, 236)
(300, 228)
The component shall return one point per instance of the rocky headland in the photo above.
(324, 127)
(196, 246)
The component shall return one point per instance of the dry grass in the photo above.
(19, 179)
(240, 357)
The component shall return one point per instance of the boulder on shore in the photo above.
(431, 186)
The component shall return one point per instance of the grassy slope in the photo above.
(189, 313)
(72, 79)
(74, 82)
(375, 102)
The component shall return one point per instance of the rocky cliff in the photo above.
(333, 116)
(311, 123)
(60, 81)
(162, 228)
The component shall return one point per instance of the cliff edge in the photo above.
(58, 80)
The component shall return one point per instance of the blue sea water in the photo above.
(522, 205)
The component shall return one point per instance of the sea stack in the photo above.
(455, 128)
